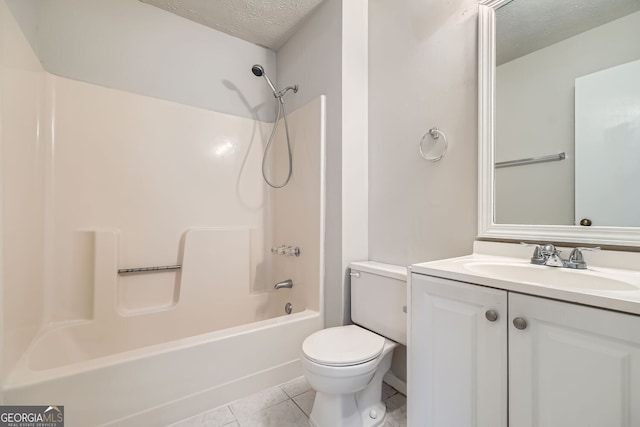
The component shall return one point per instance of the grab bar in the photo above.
(159, 269)
(531, 160)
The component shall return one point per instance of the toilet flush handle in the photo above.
(355, 274)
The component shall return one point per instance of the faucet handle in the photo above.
(538, 255)
(576, 253)
(529, 244)
(596, 249)
(576, 260)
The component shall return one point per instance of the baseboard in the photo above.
(395, 382)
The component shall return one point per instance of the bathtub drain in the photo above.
(288, 307)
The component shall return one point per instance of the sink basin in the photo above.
(552, 276)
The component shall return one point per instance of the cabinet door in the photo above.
(457, 357)
(572, 365)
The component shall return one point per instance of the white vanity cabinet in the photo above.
(457, 355)
(572, 365)
(565, 364)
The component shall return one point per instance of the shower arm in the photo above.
(280, 94)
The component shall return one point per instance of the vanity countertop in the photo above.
(611, 281)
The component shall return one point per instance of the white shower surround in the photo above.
(115, 196)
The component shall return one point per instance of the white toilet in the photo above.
(345, 365)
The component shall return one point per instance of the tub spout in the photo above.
(285, 284)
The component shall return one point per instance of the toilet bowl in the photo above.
(348, 383)
(345, 365)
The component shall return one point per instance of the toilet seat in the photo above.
(343, 346)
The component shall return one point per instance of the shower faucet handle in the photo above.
(291, 251)
(285, 250)
(278, 250)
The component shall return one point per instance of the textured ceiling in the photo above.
(267, 23)
(524, 26)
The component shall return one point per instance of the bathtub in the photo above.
(153, 356)
(162, 383)
(210, 342)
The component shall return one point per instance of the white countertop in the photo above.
(622, 266)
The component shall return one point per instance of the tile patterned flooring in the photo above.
(286, 405)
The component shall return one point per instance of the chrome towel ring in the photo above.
(435, 134)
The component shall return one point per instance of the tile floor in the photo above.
(286, 405)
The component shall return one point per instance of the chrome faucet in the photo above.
(553, 258)
(550, 256)
(284, 284)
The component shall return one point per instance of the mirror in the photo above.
(560, 121)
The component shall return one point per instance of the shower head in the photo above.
(258, 71)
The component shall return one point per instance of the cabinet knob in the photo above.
(491, 315)
(519, 323)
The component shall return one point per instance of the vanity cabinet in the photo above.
(565, 364)
(572, 365)
(457, 357)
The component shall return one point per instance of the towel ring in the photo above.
(435, 134)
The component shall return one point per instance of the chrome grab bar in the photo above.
(159, 269)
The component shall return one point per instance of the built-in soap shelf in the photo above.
(209, 261)
(285, 250)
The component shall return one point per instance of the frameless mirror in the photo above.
(560, 120)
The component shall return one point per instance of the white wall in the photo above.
(355, 141)
(422, 73)
(22, 158)
(314, 58)
(25, 15)
(535, 117)
(415, 81)
(133, 46)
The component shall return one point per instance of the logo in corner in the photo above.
(31, 416)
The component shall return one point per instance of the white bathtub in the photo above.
(214, 341)
(161, 383)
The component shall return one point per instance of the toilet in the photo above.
(345, 365)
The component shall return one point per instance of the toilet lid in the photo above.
(343, 346)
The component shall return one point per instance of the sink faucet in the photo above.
(550, 256)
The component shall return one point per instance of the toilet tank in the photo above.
(379, 298)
